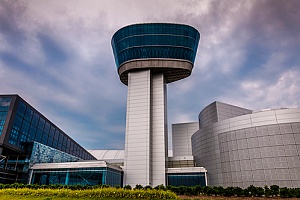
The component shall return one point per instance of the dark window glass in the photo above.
(41, 124)
(32, 132)
(47, 127)
(44, 139)
(28, 115)
(52, 132)
(4, 107)
(49, 142)
(21, 109)
(35, 119)
(56, 136)
(39, 135)
(55, 143)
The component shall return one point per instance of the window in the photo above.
(4, 107)
(28, 115)
(41, 124)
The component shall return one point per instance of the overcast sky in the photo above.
(57, 56)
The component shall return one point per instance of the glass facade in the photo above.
(155, 40)
(181, 163)
(74, 176)
(36, 153)
(4, 107)
(29, 126)
(186, 179)
(40, 153)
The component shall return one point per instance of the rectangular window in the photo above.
(56, 136)
(52, 131)
(21, 109)
(41, 124)
(4, 107)
(47, 128)
(35, 119)
(28, 115)
(39, 135)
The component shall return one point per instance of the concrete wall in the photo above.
(181, 138)
(137, 141)
(258, 149)
(146, 130)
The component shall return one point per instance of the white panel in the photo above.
(158, 131)
(181, 138)
(146, 130)
(137, 142)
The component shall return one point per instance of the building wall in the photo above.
(159, 143)
(218, 111)
(137, 140)
(259, 149)
(146, 141)
(181, 138)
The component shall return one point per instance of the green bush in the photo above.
(267, 191)
(205, 189)
(238, 191)
(138, 187)
(146, 192)
(148, 187)
(160, 187)
(252, 190)
(95, 193)
(246, 192)
(229, 192)
(127, 187)
(117, 186)
(274, 190)
(260, 191)
(284, 192)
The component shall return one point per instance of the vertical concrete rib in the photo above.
(158, 129)
(137, 142)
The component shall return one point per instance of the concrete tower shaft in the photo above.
(148, 56)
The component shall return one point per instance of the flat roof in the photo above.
(74, 165)
(185, 170)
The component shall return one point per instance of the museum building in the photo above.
(227, 146)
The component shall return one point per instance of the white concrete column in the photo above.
(159, 141)
(137, 141)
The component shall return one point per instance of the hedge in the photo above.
(160, 191)
(96, 192)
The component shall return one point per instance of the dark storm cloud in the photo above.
(246, 49)
(11, 13)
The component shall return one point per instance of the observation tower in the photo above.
(149, 56)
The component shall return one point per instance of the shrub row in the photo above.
(95, 193)
(251, 191)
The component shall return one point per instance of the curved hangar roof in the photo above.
(107, 154)
(163, 47)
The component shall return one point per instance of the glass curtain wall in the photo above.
(186, 179)
(81, 176)
(29, 126)
(4, 107)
